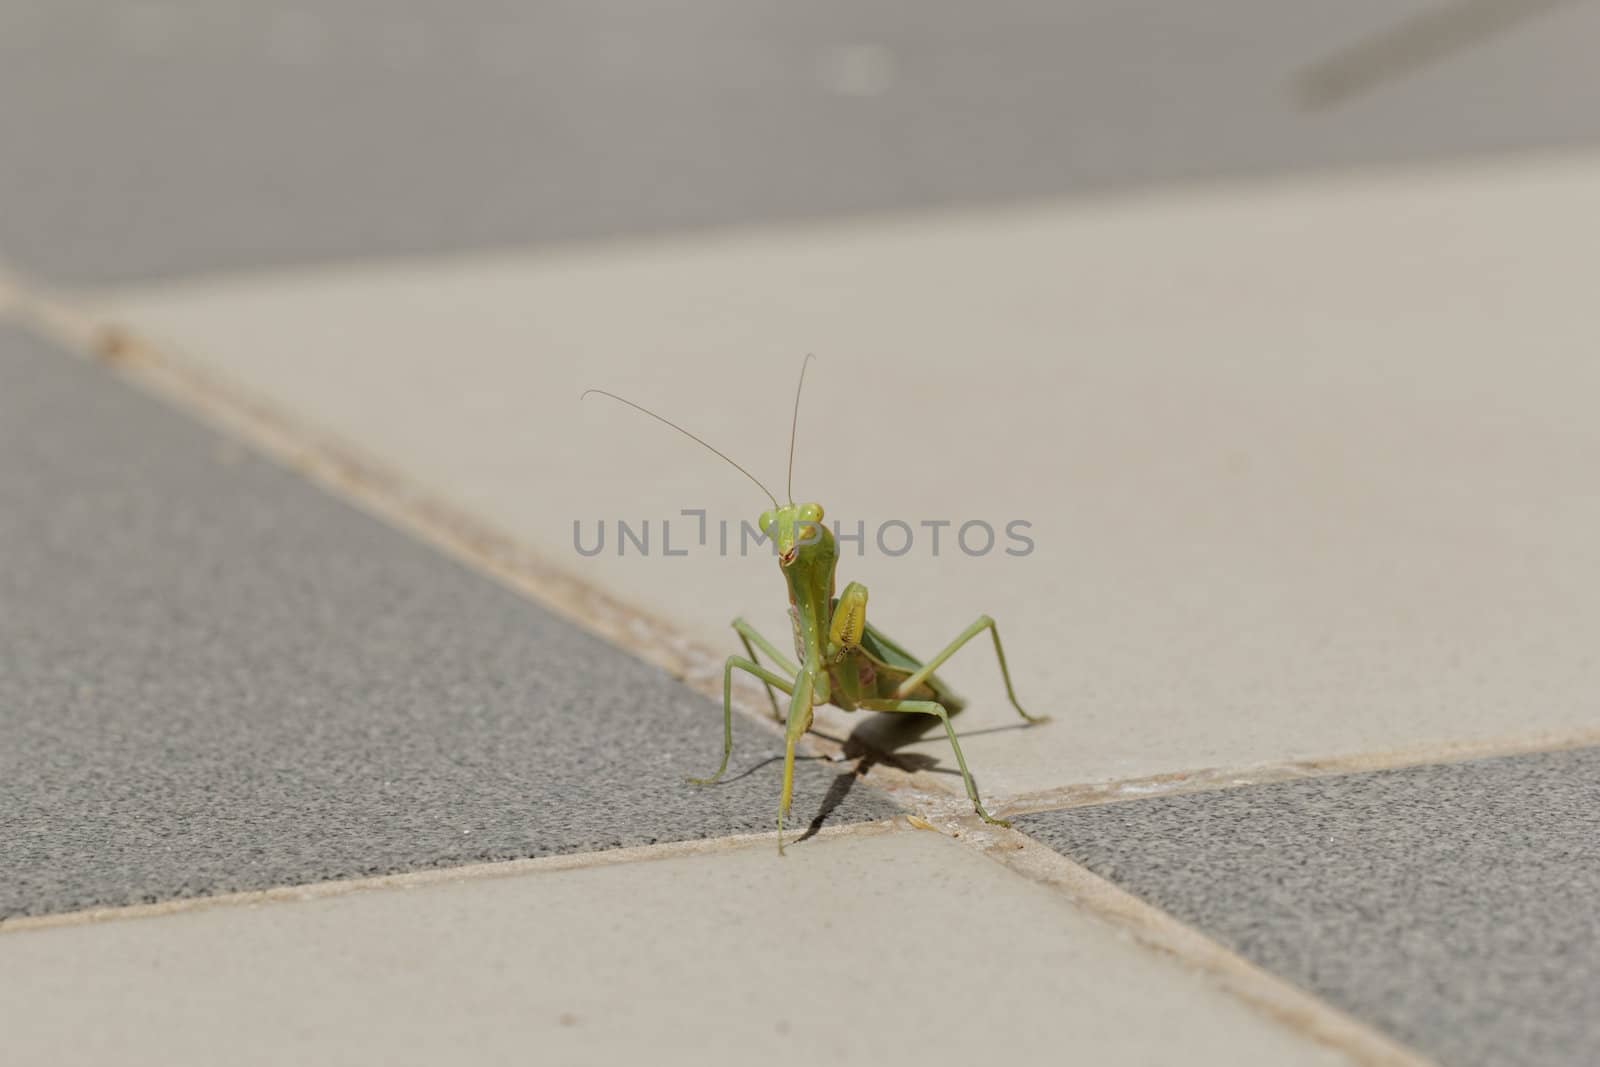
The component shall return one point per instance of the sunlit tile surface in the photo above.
(1308, 469)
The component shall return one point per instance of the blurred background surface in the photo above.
(172, 137)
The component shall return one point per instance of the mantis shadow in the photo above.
(754, 767)
(875, 741)
(878, 739)
(838, 789)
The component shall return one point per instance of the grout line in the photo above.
(1303, 1012)
(1210, 779)
(433, 876)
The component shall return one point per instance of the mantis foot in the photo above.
(990, 819)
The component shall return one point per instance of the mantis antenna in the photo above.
(795, 424)
(686, 433)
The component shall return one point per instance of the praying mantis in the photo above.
(845, 661)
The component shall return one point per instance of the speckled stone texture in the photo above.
(1452, 906)
(190, 136)
(215, 677)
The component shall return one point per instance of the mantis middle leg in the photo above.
(929, 707)
(753, 640)
(727, 706)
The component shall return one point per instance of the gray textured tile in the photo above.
(188, 136)
(1452, 906)
(215, 677)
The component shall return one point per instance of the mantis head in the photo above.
(794, 529)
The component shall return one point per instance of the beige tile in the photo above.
(1309, 467)
(904, 948)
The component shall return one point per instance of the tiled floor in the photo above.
(321, 742)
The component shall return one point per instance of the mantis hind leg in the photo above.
(727, 706)
(752, 641)
(929, 707)
(983, 623)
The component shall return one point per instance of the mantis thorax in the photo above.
(807, 554)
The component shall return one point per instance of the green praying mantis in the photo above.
(844, 660)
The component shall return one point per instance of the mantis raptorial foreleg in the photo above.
(800, 703)
(753, 640)
(984, 623)
(929, 707)
(727, 705)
